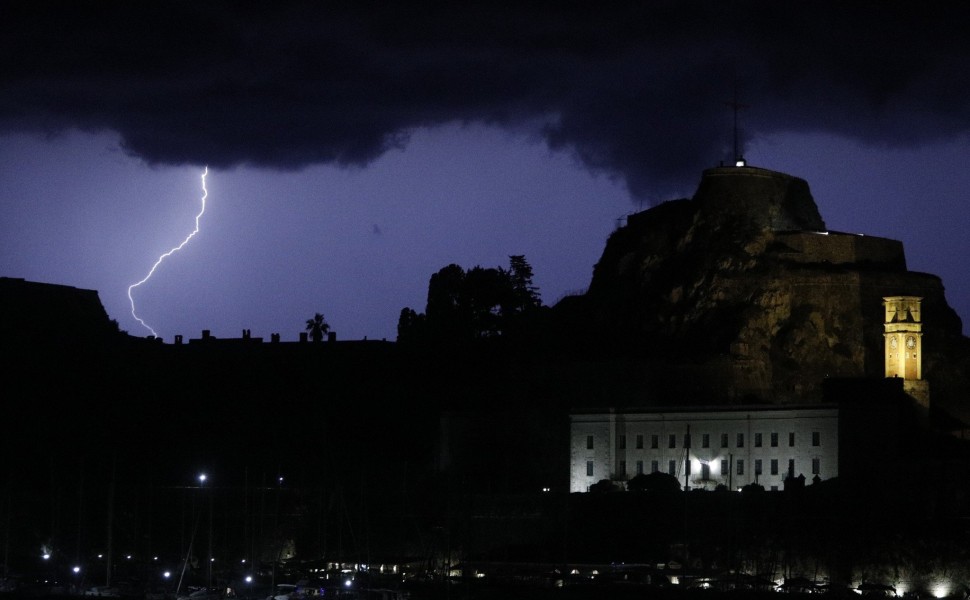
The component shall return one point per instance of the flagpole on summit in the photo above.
(737, 106)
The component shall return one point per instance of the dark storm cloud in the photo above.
(637, 90)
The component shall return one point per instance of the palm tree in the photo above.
(318, 327)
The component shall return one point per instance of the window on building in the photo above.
(622, 442)
(757, 467)
(686, 440)
(639, 467)
(774, 466)
(774, 488)
(724, 440)
(672, 467)
(672, 441)
(740, 440)
(791, 467)
(724, 467)
(589, 442)
(816, 466)
(816, 438)
(774, 440)
(740, 466)
(589, 468)
(639, 441)
(655, 441)
(791, 439)
(622, 468)
(654, 466)
(757, 440)
(706, 440)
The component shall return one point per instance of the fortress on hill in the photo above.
(755, 323)
(741, 294)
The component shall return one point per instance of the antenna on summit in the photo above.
(737, 106)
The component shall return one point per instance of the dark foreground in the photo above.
(488, 591)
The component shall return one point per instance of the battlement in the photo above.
(838, 248)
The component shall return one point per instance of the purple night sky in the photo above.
(354, 150)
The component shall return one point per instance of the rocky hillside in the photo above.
(740, 294)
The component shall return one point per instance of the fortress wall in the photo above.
(774, 201)
(842, 248)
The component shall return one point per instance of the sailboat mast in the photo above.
(110, 532)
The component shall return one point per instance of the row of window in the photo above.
(706, 467)
(706, 440)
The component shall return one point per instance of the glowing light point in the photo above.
(205, 194)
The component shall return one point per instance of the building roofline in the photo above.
(702, 409)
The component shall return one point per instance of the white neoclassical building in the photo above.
(705, 447)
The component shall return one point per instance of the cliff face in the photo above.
(740, 294)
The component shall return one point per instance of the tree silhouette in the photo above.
(318, 327)
(410, 326)
(470, 305)
(525, 294)
(657, 482)
(604, 485)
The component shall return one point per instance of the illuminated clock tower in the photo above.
(903, 333)
(904, 344)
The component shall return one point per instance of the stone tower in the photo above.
(903, 327)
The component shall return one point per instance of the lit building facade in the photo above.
(704, 448)
(736, 446)
(904, 335)
(903, 331)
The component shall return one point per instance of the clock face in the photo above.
(910, 342)
(893, 343)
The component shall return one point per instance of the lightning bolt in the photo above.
(205, 194)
